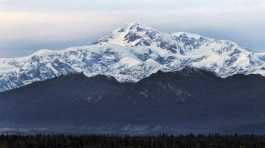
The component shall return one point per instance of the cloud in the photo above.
(77, 5)
(26, 25)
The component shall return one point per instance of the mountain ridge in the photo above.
(181, 102)
(131, 54)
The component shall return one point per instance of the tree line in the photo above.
(110, 141)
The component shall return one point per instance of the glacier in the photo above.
(132, 53)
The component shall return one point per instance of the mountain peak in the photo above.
(136, 27)
(134, 34)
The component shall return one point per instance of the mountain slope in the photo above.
(186, 101)
(131, 54)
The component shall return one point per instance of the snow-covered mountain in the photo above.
(131, 54)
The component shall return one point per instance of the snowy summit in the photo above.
(132, 53)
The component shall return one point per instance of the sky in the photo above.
(29, 25)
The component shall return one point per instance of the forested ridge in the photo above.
(109, 141)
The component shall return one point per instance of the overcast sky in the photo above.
(28, 25)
